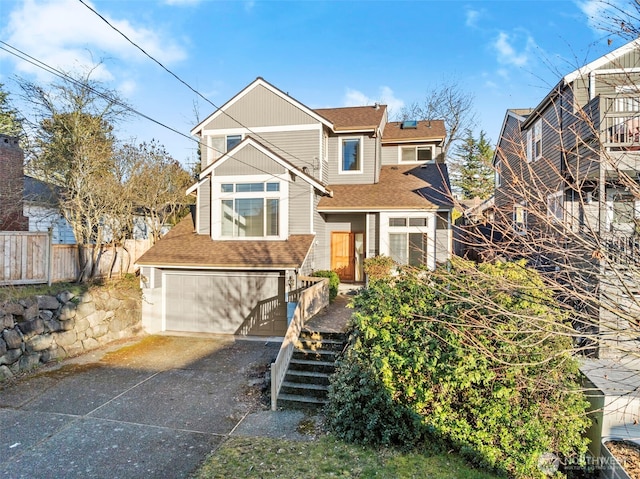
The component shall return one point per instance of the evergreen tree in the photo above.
(10, 122)
(474, 156)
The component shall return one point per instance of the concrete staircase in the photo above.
(307, 380)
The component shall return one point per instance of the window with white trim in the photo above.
(520, 218)
(408, 240)
(250, 209)
(413, 154)
(351, 155)
(498, 173)
(534, 149)
(219, 145)
(555, 207)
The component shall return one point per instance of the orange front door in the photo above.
(343, 255)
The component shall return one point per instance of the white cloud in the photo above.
(64, 34)
(248, 6)
(127, 87)
(385, 97)
(508, 54)
(472, 17)
(598, 11)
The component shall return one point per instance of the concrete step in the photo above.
(312, 365)
(307, 377)
(305, 390)
(317, 355)
(299, 402)
(335, 345)
(307, 334)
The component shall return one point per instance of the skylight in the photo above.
(409, 124)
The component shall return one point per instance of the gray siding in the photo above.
(511, 152)
(390, 155)
(354, 222)
(322, 257)
(260, 107)
(368, 153)
(442, 239)
(628, 60)
(249, 161)
(373, 234)
(229, 302)
(301, 148)
(300, 199)
(204, 208)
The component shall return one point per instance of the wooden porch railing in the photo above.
(312, 297)
(622, 250)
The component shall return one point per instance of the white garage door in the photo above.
(225, 302)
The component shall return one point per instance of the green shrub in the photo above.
(334, 282)
(378, 267)
(473, 357)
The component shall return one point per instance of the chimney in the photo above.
(12, 185)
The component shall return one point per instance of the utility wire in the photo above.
(218, 109)
(64, 76)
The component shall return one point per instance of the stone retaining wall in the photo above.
(40, 329)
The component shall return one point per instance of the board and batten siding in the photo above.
(259, 107)
(249, 161)
(368, 161)
(203, 220)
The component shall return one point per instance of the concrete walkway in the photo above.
(152, 408)
(335, 318)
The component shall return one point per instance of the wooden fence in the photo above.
(31, 258)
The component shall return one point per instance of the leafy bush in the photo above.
(474, 357)
(334, 282)
(378, 267)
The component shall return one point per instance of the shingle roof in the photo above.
(354, 117)
(37, 191)
(426, 130)
(182, 247)
(400, 187)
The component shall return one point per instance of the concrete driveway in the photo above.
(151, 409)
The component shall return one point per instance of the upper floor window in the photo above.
(219, 145)
(498, 173)
(233, 140)
(410, 154)
(555, 206)
(534, 141)
(519, 218)
(351, 161)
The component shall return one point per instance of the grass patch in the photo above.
(14, 293)
(128, 282)
(254, 457)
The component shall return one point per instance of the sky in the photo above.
(506, 54)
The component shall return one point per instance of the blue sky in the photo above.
(508, 54)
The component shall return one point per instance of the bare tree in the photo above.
(448, 102)
(157, 184)
(73, 149)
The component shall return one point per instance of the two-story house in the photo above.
(285, 190)
(567, 192)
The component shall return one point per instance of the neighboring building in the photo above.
(286, 190)
(567, 190)
(11, 185)
(42, 208)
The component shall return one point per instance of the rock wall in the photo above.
(47, 328)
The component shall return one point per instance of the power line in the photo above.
(64, 76)
(151, 57)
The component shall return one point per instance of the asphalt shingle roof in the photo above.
(426, 130)
(183, 247)
(400, 187)
(354, 117)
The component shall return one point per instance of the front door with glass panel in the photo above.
(347, 255)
